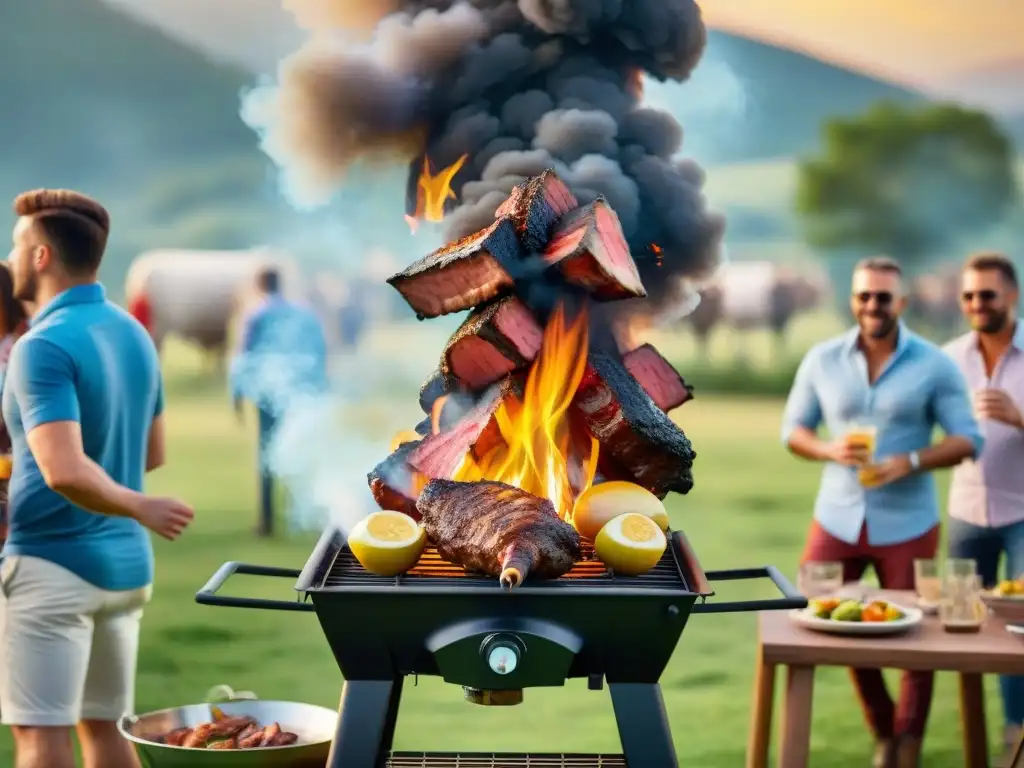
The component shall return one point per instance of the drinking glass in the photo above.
(960, 568)
(820, 579)
(864, 436)
(961, 608)
(927, 582)
(6, 465)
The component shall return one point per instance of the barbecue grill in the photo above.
(437, 619)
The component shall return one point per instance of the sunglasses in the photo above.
(983, 296)
(882, 298)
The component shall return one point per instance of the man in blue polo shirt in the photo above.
(83, 403)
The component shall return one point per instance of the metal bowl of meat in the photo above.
(234, 734)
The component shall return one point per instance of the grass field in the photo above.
(751, 506)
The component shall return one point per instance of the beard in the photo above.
(886, 325)
(990, 322)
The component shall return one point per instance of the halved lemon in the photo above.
(630, 544)
(600, 503)
(387, 543)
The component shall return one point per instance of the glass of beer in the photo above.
(927, 584)
(864, 436)
(6, 464)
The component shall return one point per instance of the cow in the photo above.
(746, 296)
(196, 295)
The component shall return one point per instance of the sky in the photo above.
(942, 46)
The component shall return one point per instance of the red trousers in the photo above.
(894, 565)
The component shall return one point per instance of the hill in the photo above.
(749, 100)
(98, 101)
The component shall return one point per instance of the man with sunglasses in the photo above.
(880, 373)
(986, 499)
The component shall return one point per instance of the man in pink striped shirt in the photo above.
(986, 500)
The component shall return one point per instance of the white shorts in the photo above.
(67, 648)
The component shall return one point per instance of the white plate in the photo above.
(806, 618)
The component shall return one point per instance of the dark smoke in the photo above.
(519, 86)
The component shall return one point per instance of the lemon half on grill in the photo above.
(387, 543)
(600, 503)
(630, 544)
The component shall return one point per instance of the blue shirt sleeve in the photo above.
(950, 403)
(158, 408)
(43, 377)
(803, 408)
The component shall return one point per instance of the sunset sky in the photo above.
(932, 44)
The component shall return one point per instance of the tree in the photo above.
(906, 181)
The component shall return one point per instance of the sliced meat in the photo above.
(178, 737)
(498, 339)
(223, 744)
(462, 274)
(658, 377)
(534, 206)
(439, 456)
(283, 739)
(397, 481)
(394, 484)
(435, 386)
(589, 250)
(498, 529)
(251, 740)
(631, 429)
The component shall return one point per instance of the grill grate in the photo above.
(434, 571)
(498, 760)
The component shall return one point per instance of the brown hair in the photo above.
(74, 224)
(879, 264)
(268, 279)
(11, 310)
(994, 261)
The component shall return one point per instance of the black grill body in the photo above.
(440, 620)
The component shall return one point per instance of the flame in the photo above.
(538, 452)
(658, 253)
(432, 192)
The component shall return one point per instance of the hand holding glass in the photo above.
(865, 437)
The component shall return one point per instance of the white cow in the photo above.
(196, 295)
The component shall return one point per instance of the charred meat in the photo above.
(498, 529)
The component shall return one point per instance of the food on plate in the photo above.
(230, 733)
(387, 543)
(498, 529)
(1010, 588)
(874, 611)
(604, 501)
(823, 607)
(630, 544)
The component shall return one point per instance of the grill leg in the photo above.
(366, 723)
(643, 725)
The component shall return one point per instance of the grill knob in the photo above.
(503, 659)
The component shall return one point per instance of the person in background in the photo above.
(83, 404)
(13, 323)
(986, 498)
(281, 356)
(882, 374)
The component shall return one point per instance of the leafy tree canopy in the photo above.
(906, 181)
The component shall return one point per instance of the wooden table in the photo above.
(925, 647)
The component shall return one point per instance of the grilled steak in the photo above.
(589, 250)
(498, 529)
(494, 341)
(659, 379)
(535, 205)
(462, 274)
(631, 429)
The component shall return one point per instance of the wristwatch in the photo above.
(915, 460)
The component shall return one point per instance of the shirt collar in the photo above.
(903, 337)
(88, 293)
(1017, 342)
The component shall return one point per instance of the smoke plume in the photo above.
(517, 85)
